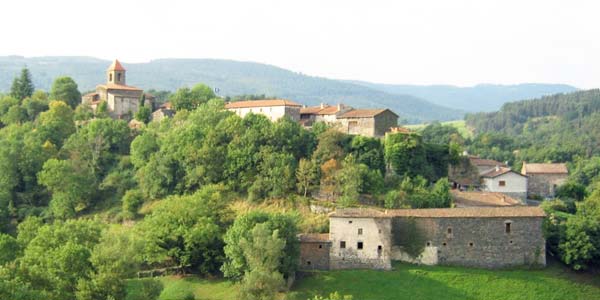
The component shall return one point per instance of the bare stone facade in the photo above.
(367, 122)
(544, 185)
(314, 251)
(489, 237)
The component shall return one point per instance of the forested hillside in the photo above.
(481, 97)
(230, 78)
(555, 128)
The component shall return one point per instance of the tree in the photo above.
(186, 231)
(22, 86)
(148, 289)
(9, 248)
(190, 99)
(350, 181)
(306, 176)
(143, 114)
(71, 186)
(581, 243)
(56, 124)
(132, 201)
(263, 254)
(65, 89)
(236, 264)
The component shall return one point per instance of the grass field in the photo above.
(413, 282)
(458, 124)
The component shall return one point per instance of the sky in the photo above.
(455, 42)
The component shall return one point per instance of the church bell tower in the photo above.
(116, 73)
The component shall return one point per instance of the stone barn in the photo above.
(543, 179)
(368, 122)
(314, 251)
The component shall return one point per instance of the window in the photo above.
(379, 230)
(501, 183)
(343, 244)
(320, 246)
(444, 244)
(428, 244)
(360, 231)
(119, 77)
(379, 248)
(308, 262)
(110, 77)
(471, 244)
(359, 245)
(449, 230)
(350, 222)
(507, 227)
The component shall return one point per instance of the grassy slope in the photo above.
(415, 282)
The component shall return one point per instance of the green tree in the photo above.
(9, 248)
(581, 242)
(143, 114)
(65, 89)
(306, 175)
(350, 181)
(263, 254)
(236, 264)
(190, 99)
(56, 124)
(148, 289)
(22, 86)
(186, 231)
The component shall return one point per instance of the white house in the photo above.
(274, 109)
(506, 181)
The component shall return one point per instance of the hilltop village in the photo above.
(491, 225)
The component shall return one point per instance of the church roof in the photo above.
(116, 66)
(113, 86)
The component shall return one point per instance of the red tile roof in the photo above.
(116, 66)
(464, 212)
(556, 168)
(499, 171)
(314, 237)
(112, 86)
(261, 103)
(477, 161)
(474, 199)
(363, 113)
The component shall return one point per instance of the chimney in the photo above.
(497, 168)
(322, 105)
(339, 106)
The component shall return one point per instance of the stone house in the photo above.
(544, 178)
(273, 109)
(485, 165)
(368, 122)
(314, 251)
(122, 100)
(490, 237)
(162, 113)
(322, 113)
(506, 181)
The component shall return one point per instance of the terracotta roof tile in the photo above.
(556, 168)
(362, 113)
(314, 237)
(499, 171)
(464, 212)
(116, 66)
(475, 199)
(477, 161)
(311, 110)
(261, 103)
(113, 86)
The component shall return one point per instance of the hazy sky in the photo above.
(419, 42)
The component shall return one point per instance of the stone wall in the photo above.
(544, 185)
(314, 255)
(475, 242)
(122, 102)
(384, 121)
(348, 234)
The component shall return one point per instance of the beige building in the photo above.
(272, 109)
(122, 100)
(544, 178)
(484, 165)
(322, 113)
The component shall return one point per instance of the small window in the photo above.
(350, 222)
(119, 77)
(444, 244)
(320, 246)
(360, 231)
(110, 77)
(449, 230)
(507, 227)
(308, 262)
(471, 244)
(502, 183)
(510, 241)
(379, 248)
(428, 244)
(359, 245)
(379, 230)
(343, 244)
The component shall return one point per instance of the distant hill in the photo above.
(482, 97)
(230, 78)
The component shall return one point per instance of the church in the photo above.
(122, 100)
